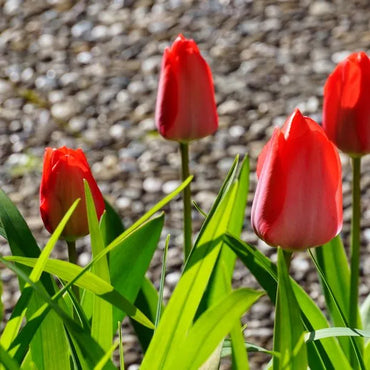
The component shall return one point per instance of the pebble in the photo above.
(63, 110)
(152, 184)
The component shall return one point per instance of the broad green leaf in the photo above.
(288, 330)
(102, 315)
(90, 350)
(332, 260)
(111, 224)
(49, 344)
(15, 321)
(208, 331)
(321, 355)
(147, 301)
(68, 271)
(130, 260)
(181, 309)
(355, 346)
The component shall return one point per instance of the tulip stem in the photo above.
(184, 149)
(355, 245)
(72, 258)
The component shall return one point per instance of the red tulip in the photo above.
(298, 201)
(185, 108)
(61, 184)
(346, 113)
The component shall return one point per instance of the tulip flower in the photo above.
(346, 111)
(61, 184)
(185, 108)
(298, 200)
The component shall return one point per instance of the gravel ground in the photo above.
(84, 74)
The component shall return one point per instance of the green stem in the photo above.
(184, 149)
(355, 245)
(286, 255)
(72, 258)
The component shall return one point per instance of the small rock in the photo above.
(152, 184)
(63, 110)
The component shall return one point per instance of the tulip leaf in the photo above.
(101, 320)
(181, 309)
(250, 347)
(49, 344)
(147, 301)
(130, 260)
(321, 355)
(332, 260)
(69, 271)
(365, 313)
(336, 332)
(355, 348)
(6, 360)
(211, 327)
(288, 330)
(220, 282)
(111, 224)
(90, 350)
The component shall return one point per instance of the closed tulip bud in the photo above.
(185, 108)
(298, 200)
(346, 111)
(61, 184)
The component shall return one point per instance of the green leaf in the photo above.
(161, 284)
(110, 225)
(49, 345)
(107, 356)
(367, 355)
(7, 361)
(321, 355)
(180, 311)
(288, 331)
(130, 260)
(336, 332)
(147, 301)
(333, 262)
(90, 350)
(227, 347)
(102, 315)
(211, 328)
(15, 321)
(1, 302)
(69, 271)
(355, 345)
(365, 313)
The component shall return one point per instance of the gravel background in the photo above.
(84, 74)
